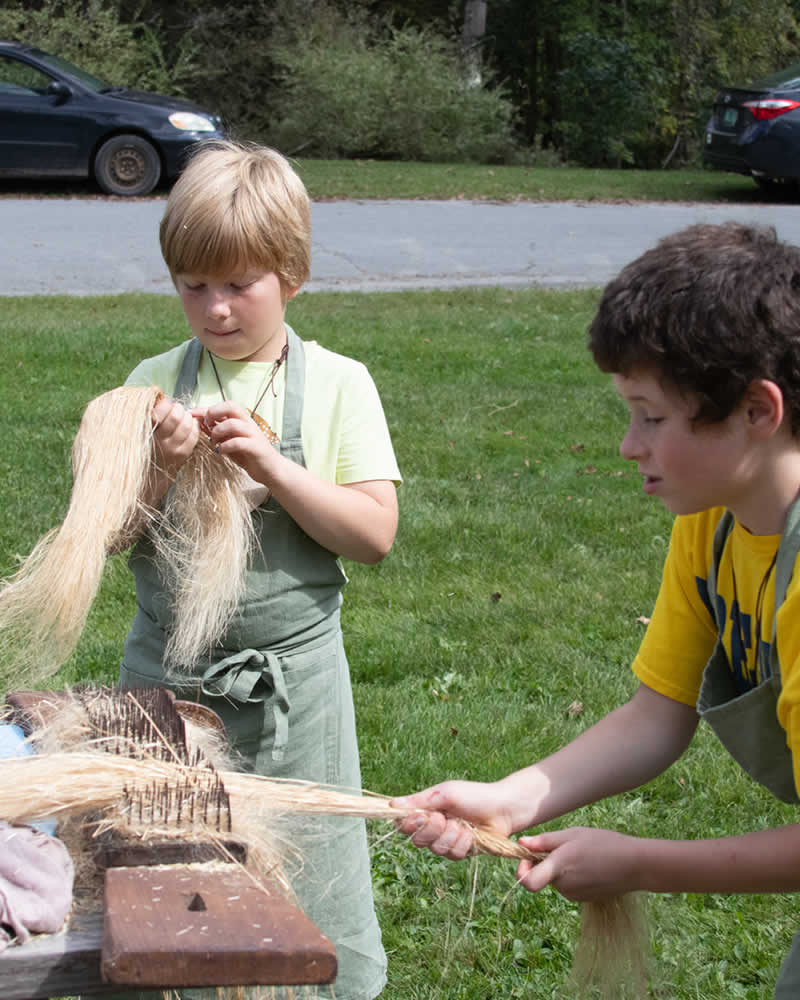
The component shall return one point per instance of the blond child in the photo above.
(236, 238)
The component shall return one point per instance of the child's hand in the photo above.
(439, 825)
(582, 864)
(234, 433)
(175, 436)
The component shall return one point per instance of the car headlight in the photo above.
(188, 121)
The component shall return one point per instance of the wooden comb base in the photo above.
(181, 926)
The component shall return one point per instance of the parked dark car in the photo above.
(56, 120)
(755, 129)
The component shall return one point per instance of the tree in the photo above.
(474, 30)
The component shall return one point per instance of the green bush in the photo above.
(347, 91)
(92, 35)
(605, 100)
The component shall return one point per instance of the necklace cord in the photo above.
(276, 365)
(762, 590)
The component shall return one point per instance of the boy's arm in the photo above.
(591, 864)
(356, 520)
(627, 748)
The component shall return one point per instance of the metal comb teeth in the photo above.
(199, 800)
(138, 722)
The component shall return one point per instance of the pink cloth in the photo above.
(36, 877)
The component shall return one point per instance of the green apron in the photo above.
(747, 724)
(280, 681)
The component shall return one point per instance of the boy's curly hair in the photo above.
(710, 309)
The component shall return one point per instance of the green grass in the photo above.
(525, 555)
(378, 179)
(328, 179)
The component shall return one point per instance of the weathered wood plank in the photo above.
(184, 926)
(55, 965)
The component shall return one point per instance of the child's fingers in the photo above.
(162, 410)
(238, 438)
(226, 410)
(535, 875)
(456, 842)
(449, 838)
(431, 827)
(432, 798)
(543, 843)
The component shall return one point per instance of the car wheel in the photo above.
(128, 165)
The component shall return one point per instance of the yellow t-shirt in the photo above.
(344, 430)
(682, 632)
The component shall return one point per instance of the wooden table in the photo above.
(56, 965)
(166, 925)
(291, 951)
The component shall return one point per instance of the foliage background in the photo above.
(591, 82)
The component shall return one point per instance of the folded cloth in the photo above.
(36, 876)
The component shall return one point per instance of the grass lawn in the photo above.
(503, 622)
(378, 179)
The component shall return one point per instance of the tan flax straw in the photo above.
(203, 539)
(75, 783)
(43, 607)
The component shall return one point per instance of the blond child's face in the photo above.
(689, 467)
(238, 317)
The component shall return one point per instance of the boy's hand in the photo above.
(440, 828)
(582, 864)
(234, 433)
(175, 436)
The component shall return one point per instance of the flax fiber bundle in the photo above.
(203, 538)
(68, 784)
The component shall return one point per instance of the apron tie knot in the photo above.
(251, 676)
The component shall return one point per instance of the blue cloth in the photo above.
(14, 744)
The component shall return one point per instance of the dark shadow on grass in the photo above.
(750, 193)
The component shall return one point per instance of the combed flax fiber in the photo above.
(203, 537)
(43, 606)
(69, 783)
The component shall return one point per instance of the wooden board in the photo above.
(181, 926)
(111, 850)
(34, 709)
(55, 965)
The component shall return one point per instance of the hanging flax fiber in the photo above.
(203, 537)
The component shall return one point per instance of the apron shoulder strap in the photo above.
(784, 569)
(724, 529)
(295, 389)
(187, 376)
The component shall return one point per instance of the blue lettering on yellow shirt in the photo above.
(745, 676)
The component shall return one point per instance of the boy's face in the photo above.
(238, 317)
(689, 467)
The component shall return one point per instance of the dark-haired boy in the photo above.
(702, 337)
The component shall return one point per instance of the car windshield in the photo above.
(785, 79)
(92, 82)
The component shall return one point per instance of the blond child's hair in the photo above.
(236, 207)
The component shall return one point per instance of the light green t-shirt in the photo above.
(344, 431)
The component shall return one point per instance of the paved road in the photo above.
(91, 247)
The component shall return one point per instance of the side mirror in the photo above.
(60, 91)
